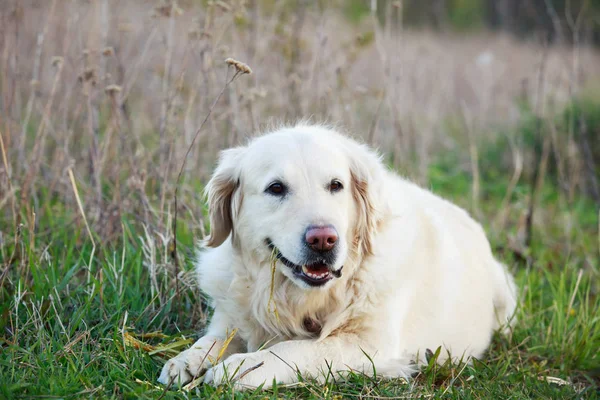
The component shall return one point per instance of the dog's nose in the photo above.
(321, 238)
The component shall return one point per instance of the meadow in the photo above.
(102, 101)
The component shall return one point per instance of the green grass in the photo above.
(63, 319)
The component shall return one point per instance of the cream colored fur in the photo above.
(418, 271)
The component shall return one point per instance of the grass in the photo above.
(96, 318)
(65, 336)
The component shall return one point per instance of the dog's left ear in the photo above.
(224, 196)
(367, 174)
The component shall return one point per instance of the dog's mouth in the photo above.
(317, 273)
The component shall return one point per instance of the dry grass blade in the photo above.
(285, 362)
(555, 380)
(148, 384)
(267, 343)
(167, 351)
(87, 226)
(194, 383)
(81, 336)
(173, 348)
(80, 205)
(225, 345)
(10, 193)
(132, 341)
(246, 372)
(152, 335)
(572, 300)
(165, 390)
(272, 287)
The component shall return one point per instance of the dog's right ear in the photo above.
(224, 196)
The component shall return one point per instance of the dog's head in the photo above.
(306, 195)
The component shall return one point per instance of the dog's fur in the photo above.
(418, 271)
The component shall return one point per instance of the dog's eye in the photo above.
(277, 189)
(335, 186)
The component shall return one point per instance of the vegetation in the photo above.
(100, 102)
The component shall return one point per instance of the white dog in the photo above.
(324, 261)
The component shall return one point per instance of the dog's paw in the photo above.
(175, 372)
(183, 368)
(244, 371)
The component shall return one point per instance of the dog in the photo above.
(320, 260)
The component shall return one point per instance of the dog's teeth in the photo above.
(313, 275)
(317, 276)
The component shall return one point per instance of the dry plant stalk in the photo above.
(132, 341)
(10, 193)
(87, 226)
(152, 385)
(240, 69)
(246, 372)
(469, 122)
(35, 81)
(272, 288)
(540, 162)
(518, 169)
(166, 351)
(225, 345)
(40, 136)
(80, 205)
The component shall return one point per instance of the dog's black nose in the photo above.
(321, 238)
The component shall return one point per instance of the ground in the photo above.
(68, 331)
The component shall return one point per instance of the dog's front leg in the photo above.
(282, 362)
(189, 364)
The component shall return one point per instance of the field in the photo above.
(101, 100)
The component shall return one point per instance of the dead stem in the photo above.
(40, 137)
(173, 247)
(11, 192)
(34, 82)
(87, 226)
(272, 288)
(540, 163)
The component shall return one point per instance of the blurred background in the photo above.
(487, 102)
(482, 101)
(115, 91)
(492, 104)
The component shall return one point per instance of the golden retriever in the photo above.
(324, 261)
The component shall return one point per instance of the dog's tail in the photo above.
(505, 298)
